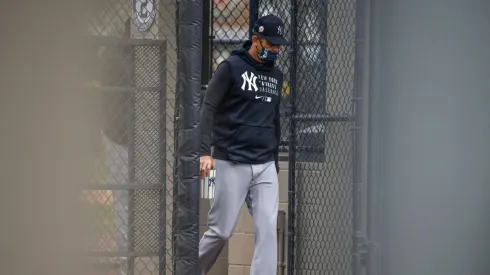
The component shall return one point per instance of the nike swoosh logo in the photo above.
(257, 97)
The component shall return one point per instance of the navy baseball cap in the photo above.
(271, 28)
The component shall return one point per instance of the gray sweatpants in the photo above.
(233, 183)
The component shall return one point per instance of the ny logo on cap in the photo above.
(279, 30)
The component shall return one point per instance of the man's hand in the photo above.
(207, 163)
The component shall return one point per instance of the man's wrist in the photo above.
(204, 154)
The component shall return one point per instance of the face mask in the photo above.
(267, 55)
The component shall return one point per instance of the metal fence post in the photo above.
(292, 142)
(163, 165)
(188, 184)
(361, 243)
(206, 43)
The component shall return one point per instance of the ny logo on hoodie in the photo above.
(250, 80)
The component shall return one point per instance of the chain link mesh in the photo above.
(230, 27)
(131, 196)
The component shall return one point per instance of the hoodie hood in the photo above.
(243, 54)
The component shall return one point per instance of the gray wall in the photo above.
(430, 135)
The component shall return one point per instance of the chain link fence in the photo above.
(133, 194)
(131, 197)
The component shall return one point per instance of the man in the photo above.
(240, 118)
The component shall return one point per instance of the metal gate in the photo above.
(320, 134)
(131, 195)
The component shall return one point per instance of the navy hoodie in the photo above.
(240, 113)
